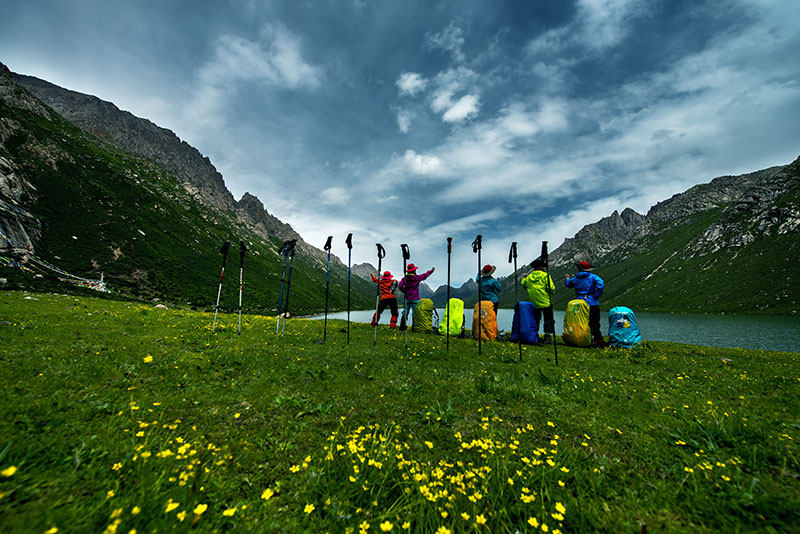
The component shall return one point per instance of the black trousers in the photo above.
(549, 321)
(594, 323)
(387, 303)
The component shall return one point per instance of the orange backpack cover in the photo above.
(484, 321)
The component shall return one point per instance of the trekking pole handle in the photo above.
(381, 251)
(406, 252)
(512, 254)
(544, 250)
(328, 243)
(449, 245)
(292, 247)
(225, 246)
(476, 245)
(349, 241)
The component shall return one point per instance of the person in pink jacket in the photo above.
(410, 286)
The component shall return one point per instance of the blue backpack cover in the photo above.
(623, 331)
(524, 326)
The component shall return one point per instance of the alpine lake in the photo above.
(759, 332)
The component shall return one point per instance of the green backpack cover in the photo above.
(453, 319)
(423, 316)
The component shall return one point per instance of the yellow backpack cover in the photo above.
(576, 324)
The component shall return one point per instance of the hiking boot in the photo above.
(393, 323)
(546, 339)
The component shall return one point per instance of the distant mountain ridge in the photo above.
(153, 226)
(140, 136)
(730, 245)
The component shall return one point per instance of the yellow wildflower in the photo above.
(170, 506)
(181, 515)
(532, 521)
(309, 508)
(200, 508)
(443, 530)
(267, 495)
(480, 519)
(229, 512)
(136, 510)
(560, 508)
(51, 531)
(386, 526)
(147, 359)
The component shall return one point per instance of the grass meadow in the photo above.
(122, 418)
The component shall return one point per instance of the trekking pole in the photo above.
(242, 250)
(381, 254)
(406, 257)
(476, 247)
(549, 293)
(447, 309)
(327, 287)
(292, 246)
(513, 254)
(224, 252)
(349, 243)
(283, 251)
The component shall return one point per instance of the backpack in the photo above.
(576, 324)
(484, 321)
(524, 327)
(455, 325)
(623, 331)
(423, 316)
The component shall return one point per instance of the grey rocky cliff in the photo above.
(596, 240)
(19, 229)
(140, 136)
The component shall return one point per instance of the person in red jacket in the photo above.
(387, 285)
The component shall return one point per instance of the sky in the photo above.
(414, 121)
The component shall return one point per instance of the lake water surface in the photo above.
(743, 331)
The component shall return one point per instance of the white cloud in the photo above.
(411, 83)
(422, 164)
(334, 195)
(451, 39)
(597, 26)
(466, 107)
(404, 120)
(275, 59)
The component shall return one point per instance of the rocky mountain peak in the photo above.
(140, 136)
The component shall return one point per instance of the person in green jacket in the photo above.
(540, 290)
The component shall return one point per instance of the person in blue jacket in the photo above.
(589, 287)
(489, 287)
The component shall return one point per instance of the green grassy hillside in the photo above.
(122, 417)
(660, 273)
(105, 211)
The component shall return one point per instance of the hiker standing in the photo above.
(540, 288)
(410, 286)
(387, 285)
(490, 288)
(589, 287)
